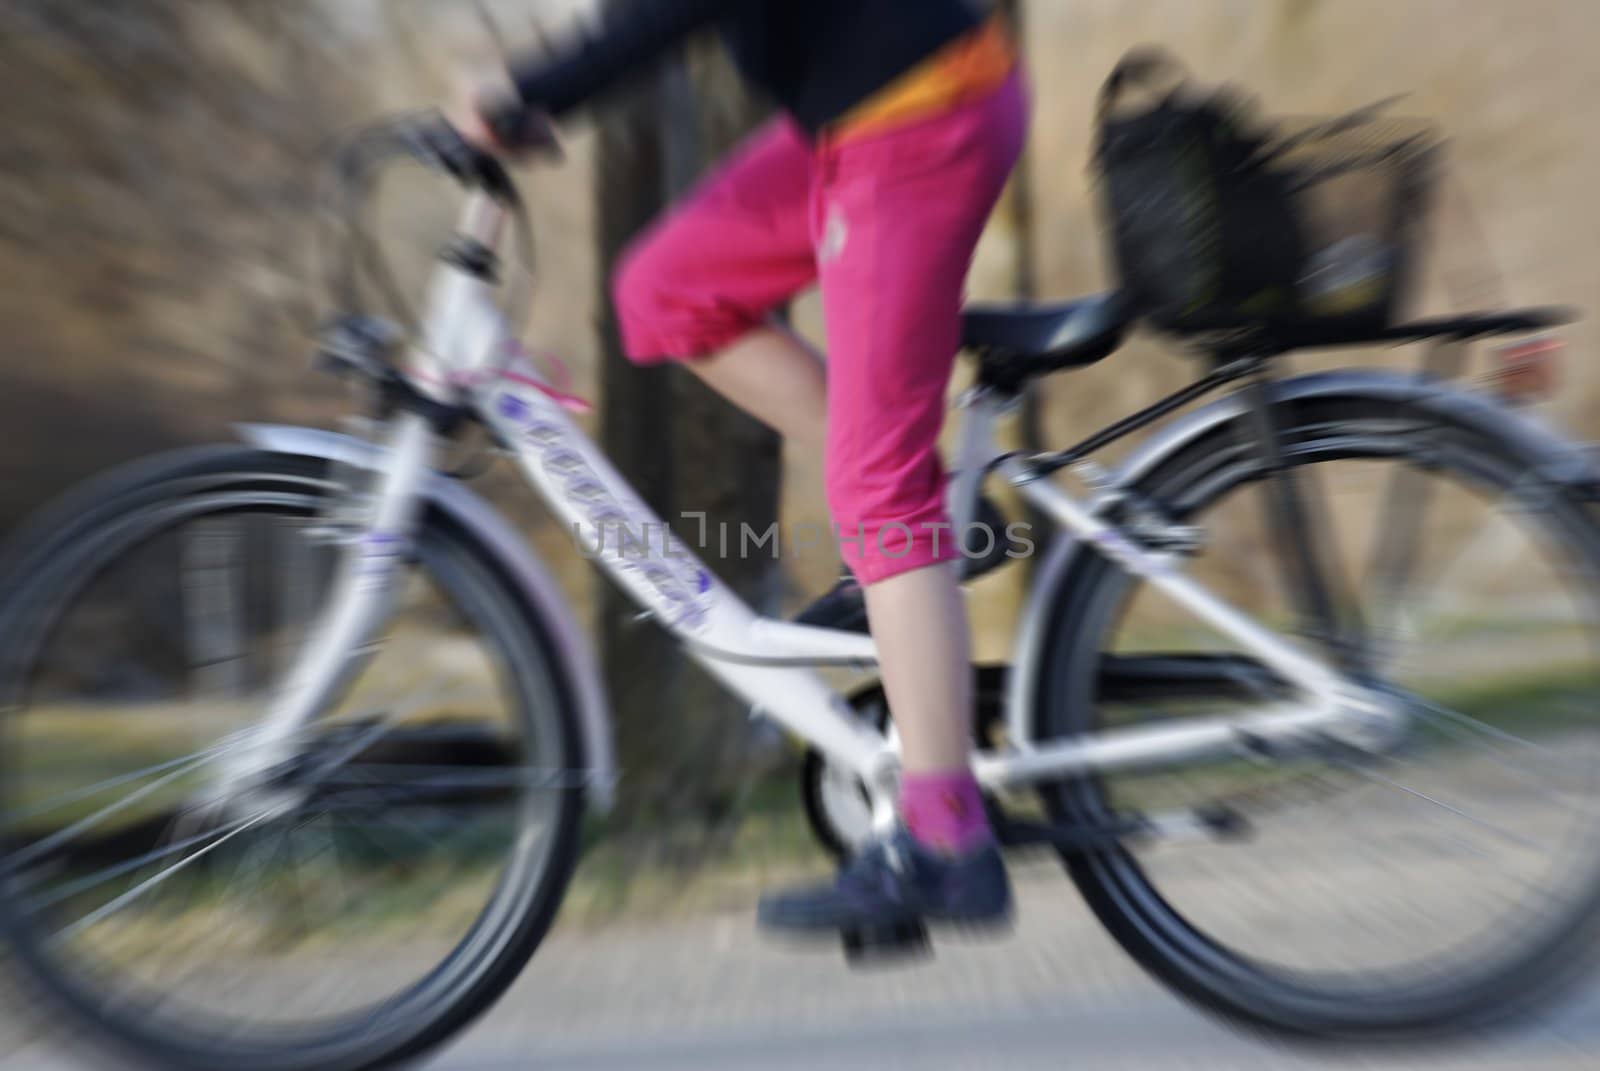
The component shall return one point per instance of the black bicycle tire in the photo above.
(530, 651)
(1108, 879)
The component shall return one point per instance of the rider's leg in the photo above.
(918, 617)
(700, 285)
(774, 376)
(891, 223)
(903, 214)
(919, 621)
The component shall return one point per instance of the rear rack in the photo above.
(1274, 338)
(1462, 328)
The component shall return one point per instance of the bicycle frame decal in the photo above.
(667, 579)
(768, 663)
(381, 552)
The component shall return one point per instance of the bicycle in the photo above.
(131, 879)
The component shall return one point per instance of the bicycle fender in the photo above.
(536, 589)
(1558, 461)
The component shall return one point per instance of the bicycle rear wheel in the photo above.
(408, 858)
(1436, 886)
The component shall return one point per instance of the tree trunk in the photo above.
(641, 663)
(680, 737)
(729, 465)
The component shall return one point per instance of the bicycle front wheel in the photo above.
(1434, 886)
(408, 857)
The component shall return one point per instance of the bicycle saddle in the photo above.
(1016, 342)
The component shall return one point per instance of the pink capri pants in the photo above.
(887, 224)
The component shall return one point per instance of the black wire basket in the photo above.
(1222, 221)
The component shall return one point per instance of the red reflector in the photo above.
(1525, 371)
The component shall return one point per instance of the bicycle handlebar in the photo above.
(431, 140)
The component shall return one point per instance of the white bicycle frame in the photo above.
(463, 360)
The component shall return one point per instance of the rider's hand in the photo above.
(477, 102)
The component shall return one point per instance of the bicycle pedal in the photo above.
(877, 946)
(1210, 823)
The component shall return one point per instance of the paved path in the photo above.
(1057, 995)
(1140, 1033)
(706, 994)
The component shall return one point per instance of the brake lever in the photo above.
(436, 143)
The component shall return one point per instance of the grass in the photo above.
(641, 870)
(1530, 700)
(429, 882)
(646, 870)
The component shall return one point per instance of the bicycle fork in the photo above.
(463, 334)
(363, 598)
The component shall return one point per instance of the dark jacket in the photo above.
(817, 58)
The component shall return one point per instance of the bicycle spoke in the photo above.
(197, 758)
(425, 778)
(379, 806)
(211, 607)
(345, 892)
(1362, 770)
(100, 877)
(1399, 523)
(1463, 723)
(174, 769)
(1353, 796)
(1302, 537)
(43, 847)
(399, 822)
(101, 914)
(1423, 589)
(300, 561)
(1534, 782)
(223, 923)
(263, 857)
(298, 860)
(371, 727)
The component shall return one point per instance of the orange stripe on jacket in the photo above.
(964, 70)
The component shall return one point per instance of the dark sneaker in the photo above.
(896, 883)
(845, 608)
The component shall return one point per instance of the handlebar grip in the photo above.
(436, 142)
(519, 127)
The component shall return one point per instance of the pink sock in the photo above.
(944, 811)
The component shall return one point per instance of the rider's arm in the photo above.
(591, 64)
